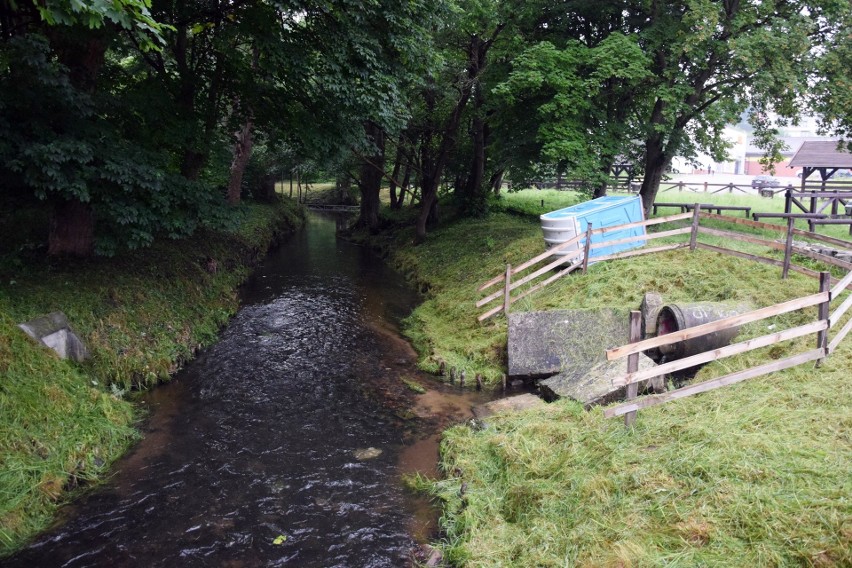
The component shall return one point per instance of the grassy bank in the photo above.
(755, 474)
(141, 315)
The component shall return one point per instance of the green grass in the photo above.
(142, 315)
(755, 474)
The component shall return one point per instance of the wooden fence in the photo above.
(826, 321)
(574, 259)
(569, 256)
(829, 291)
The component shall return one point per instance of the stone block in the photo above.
(509, 404)
(542, 344)
(54, 331)
(594, 386)
(650, 307)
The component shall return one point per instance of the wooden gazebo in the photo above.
(823, 156)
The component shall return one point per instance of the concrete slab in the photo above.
(542, 344)
(594, 386)
(508, 404)
(54, 331)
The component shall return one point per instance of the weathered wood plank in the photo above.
(535, 260)
(844, 283)
(740, 237)
(718, 325)
(507, 289)
(653, 400)
(645, 223)
(633, 362)
(780, 228)
(491, 312)
(529, 277)
(788, 249)
(646, 237)
(544, 283)
(841, 335)
(722, 352)
(587, 246)
(764, 260)
(693, 230)
(824, 258)
(640, 252)
(837, 314)
(823, 308)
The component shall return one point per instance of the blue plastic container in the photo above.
(563, 224)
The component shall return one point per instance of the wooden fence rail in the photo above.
(563, 260)
(574, 259)
(818, 327)
(824, 323)
(826, 319)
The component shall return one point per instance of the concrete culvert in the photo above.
(677, 317)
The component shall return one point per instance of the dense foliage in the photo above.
(137, 119)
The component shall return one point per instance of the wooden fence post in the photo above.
(788, 248)
(507, 301)
(693, 237)
(587, 248)
(824, 286)
(633, 363)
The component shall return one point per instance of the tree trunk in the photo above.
(428, 199)
(242, 153)
(656, 163)
(406, 179)
(372, 173)
(72, 222)
(72, 228)
(473, 188)
(396, 202)
(342, 187)
(496, 181)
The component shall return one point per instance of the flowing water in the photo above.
(284, 443)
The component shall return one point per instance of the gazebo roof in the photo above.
(823, 154)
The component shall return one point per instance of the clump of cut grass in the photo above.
(414, 386)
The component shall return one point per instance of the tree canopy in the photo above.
(133, 120)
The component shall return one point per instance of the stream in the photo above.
(283, 444)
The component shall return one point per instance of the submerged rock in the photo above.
(508, 404)
(364, 454)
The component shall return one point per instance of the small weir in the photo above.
(284, 443)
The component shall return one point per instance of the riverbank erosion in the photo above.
(754, 474)
(141, 316)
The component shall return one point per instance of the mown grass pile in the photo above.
(141, 315)
(755, 474)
